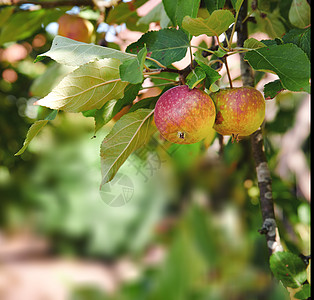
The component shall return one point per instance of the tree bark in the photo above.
(269, 227)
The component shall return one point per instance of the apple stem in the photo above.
(191, 57)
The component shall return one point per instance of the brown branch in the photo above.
(60, 3)
(49, 4)
(269, 227)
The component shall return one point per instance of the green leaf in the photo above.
(213, 5)
(32, 132)
(186, 8)
(5, 14)
(236, 4)
(272, 89)
(130, 93)
(211, 75)
(282, 59)
(72, 53)
(301, 38)
(104, 114)
(132, 70)
(220, 52)
(300, 13)
(304, 293)
(35, 129)
(145, 103)
(289, 268)
(21, 25)
(252, 43)
(178, 9)
(217, 23)
(166, 45)
(49, 79)
(123, 12)
(272, 23)
(129, 133)
(87, 87)
(112, 107)
(195, 77)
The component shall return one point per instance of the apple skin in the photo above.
(183, 115)
(240, 111)
(75, 28)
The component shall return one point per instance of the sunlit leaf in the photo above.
(252, 43)
(128, 134)
(88, 87)
(72, 53)
(300, 13)
(35, 129)
(218, 22)
(49, 79)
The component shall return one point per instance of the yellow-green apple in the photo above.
(239, 111)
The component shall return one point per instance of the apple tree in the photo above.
(95, 78)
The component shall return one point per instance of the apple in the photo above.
(75, 28)
(183, 115)
(240, 111)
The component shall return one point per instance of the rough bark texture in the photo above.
(269, 227)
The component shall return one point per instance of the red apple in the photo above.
(183, 115)
(75, 28)
(240, 111)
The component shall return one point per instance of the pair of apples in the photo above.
(186, 116)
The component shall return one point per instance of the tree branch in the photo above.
(49, 4)
(269, 227)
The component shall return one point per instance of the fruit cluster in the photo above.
(186, 116)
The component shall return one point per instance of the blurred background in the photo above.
(177, 222)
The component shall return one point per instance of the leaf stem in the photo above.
(191, 57)
(234, 26)
(221, 46)
(228, 71)
(204, 49)
(157, 85)
(156, 62)
(162, 78)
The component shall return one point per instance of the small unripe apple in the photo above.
(240, 111)
(75, 28)
(183, 115)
